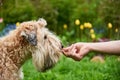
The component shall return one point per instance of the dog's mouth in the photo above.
(62, 46)
(61, 49)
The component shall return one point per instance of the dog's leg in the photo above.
(21, 74)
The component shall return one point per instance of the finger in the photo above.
(76, 57)
(67, 54)
(67, 48)
(73, 50)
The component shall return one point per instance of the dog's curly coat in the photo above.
(30, 39)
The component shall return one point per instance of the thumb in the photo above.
(67, 48)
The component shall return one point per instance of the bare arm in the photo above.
(78, 50)
(106, 47)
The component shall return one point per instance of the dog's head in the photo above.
(48, 48)
(28, 31)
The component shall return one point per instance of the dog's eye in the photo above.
(26, 28)
(45, 37)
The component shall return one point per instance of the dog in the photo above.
(30, 40)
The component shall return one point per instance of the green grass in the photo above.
(68, 69)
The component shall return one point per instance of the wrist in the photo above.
(89, 46)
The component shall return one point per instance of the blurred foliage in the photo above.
(109, 12)
(59, 12)
(86, 11)
(109, 9)
(1, 26)
(17, 11)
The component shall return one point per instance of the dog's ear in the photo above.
(42, 22)
(31, 37)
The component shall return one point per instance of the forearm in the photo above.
(111, 47)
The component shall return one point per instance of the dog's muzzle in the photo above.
(32, 39)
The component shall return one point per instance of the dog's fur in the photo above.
(30, 39)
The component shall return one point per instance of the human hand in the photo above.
(76, 51)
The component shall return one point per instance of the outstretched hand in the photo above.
(76, 51)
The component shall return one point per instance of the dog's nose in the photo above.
(32, 39)
(62, 46)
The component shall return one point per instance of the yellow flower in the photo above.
(17, 24)
(109, 25)
(65, 26)
(93, 36)
(77, 22)
(87, 25)
(116, 30)
(81, 27)
(91, 31)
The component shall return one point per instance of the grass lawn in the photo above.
(68, 69)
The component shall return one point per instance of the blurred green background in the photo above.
(73, 21)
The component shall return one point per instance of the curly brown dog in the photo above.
(30, 40)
